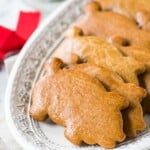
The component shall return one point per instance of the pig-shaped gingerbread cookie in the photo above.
(97, 51)
(81, 104)
(133, 120)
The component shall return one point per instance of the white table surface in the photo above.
(8, 18)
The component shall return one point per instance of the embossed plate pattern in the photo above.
(28, 132)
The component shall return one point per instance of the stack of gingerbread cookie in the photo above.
(97, 84)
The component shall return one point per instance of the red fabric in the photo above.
(27, 23)
(11, 41)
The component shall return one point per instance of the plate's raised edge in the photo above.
(9, 120)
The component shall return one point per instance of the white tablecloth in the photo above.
(8, 18)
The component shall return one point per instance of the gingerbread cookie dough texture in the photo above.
(137, 10)
(82, 105)
(118, 30)
(95, 74)
(97, 51)
(123, 32)
(133, 120)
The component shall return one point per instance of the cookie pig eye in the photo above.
(83, 60)
(120, 41)
(125, 43)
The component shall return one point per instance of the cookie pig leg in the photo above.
(71, 134)
(107, 143)
(39, 114)
(145, 82)
(134, 120)
(38, 110)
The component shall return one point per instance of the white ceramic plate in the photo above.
(28, 132)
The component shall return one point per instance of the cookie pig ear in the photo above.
(73, 59)
(73, 32)
(53, 65)
(92, 7)
(143, 17)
